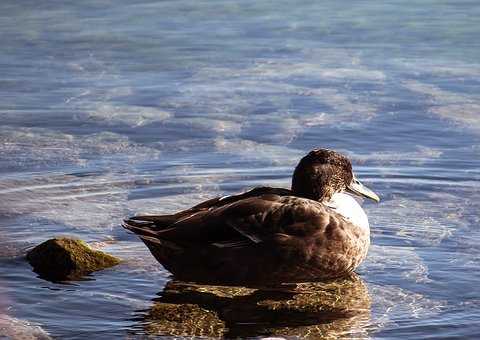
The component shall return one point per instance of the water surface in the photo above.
(113, 108)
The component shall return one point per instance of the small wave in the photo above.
(248, 149)
(461, 109)
(325, 64)
(133, 116)
(418, 156)
(401, 261)
(439, 68)
(39, 147)
(425, 222)
(392, 305)
(13, 328)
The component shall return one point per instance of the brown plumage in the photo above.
(265, 235)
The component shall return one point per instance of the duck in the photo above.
(314, 231)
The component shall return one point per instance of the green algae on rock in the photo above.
(67, 259)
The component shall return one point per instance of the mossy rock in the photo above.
(61, 259)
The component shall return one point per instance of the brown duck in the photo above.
(314, 231)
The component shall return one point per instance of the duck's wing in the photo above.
(255, 192)
(159, 222)
(245, 221)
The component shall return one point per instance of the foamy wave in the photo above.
(66, 200)
(271, 78)
(282, 70)
(98, 103)
(253, 150)
(133, 116)
(462, 109)
(10, 249)
(101, 201)
(13, 328)
(404, 259)
(325, 64)
(467, 114)
(167, 204)
(413, 220)
(440, 68)
(419, 156)
(36, 147)
(392, 305)
(436, 94)
(269, 87)
(219, 125)
(237, 102)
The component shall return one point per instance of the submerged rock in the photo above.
(67, 259)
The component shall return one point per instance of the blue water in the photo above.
(110, 108)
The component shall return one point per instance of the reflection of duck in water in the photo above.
(339, 308)
(268, 235)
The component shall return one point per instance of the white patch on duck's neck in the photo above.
(349, 208)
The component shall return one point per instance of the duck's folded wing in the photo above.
(161, 222)
(255, 192)
(245, 222)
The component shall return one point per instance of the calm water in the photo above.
(111, 108)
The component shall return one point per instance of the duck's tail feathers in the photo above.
(139, 226)
(159, 247)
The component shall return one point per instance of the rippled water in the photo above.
(111, 108)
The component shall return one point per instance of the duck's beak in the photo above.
(359, 189)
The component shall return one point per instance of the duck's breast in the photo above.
(349, 208)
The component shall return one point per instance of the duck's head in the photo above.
(322, 173)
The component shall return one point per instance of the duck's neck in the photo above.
(349, 208)
(310, 192)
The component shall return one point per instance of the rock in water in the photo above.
(67, 259)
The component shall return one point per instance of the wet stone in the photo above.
(61, 259)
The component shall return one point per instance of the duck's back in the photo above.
(266, 235)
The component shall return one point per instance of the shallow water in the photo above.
(113, 108)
